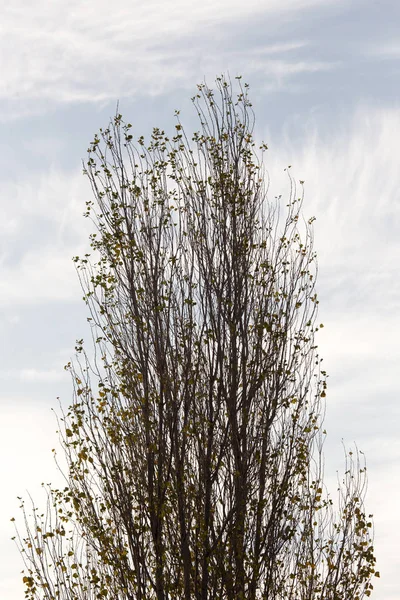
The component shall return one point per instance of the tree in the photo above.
(194, 440)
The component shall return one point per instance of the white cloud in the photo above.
(57, 52)
(25, 447)
(351, 186)
(37, 375)
(387, 50)
(40, 276)
(48, 230)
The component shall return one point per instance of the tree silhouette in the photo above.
(194, 440)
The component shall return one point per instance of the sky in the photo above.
(324, 82)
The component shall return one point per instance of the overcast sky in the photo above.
(324, 81)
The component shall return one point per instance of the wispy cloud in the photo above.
(57, 52)
(351, 186)
(386, 50)
(42, 228)
(39, 277)
(27, 437)
(37, 375)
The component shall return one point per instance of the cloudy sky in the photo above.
(324, 81)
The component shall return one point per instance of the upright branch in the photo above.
(195, 459)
